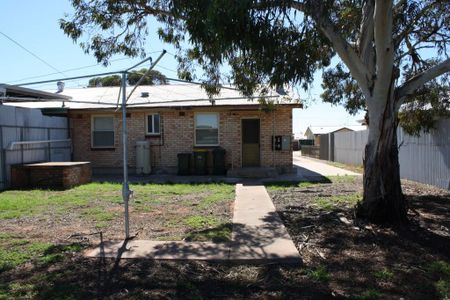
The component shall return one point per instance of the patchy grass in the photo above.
(439, 271)
(344, 179)
(336, 202)
(370, 294)
(197, 222)
(217, 234)
(283, 185)
(15, 251)
(156, 210)
(319, 274)
(98, 214)
(384, 274)
(354, 168)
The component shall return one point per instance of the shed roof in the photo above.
(172, 95)
(330, 129)
(16, 92)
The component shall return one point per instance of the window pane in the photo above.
(206, 121)
(103, 139)
(156, 122)
(207, 136)
(150, 123)
(103, 124)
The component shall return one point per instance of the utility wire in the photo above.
(76, 69)
(34, 55)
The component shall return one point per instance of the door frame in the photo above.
(242, 142)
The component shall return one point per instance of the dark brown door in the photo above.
(250, 143)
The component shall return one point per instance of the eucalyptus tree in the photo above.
(153, 77)
(392, 54)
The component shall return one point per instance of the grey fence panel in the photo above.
(424, 159)
(349, 146)
(22, 124)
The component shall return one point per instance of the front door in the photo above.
(250, 143)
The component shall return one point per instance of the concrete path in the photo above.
(314, 167)
(258, 236)
(307, 168)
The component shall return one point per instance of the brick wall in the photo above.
(177, 135)
(50, 175)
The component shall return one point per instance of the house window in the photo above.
(206, 129)
(102, 131)
(153, 124)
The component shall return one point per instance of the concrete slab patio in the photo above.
(258, 236)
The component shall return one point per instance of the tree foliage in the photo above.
(154, 77)
(271, 42)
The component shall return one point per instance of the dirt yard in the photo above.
(342, 258)
(356, 258)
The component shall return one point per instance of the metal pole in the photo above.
(146, 73)
(125, 187)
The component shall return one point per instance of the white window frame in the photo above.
(195, 129)
(153, 123)
(92, 132)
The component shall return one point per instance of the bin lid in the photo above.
(200, 150)
(142, 143)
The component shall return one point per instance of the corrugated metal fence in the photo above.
(22, 124)
(426, 158)
(423, 159)
(349, 146)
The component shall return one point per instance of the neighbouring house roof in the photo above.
(171, 95)
(12, 92)
(330, 129)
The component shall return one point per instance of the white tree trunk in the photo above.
(383, 200)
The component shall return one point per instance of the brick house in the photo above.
(176, 119)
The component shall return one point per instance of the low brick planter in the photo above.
(59, 175)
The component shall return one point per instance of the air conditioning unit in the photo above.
(143, 165)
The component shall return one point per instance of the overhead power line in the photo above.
(76, 69)
(31, 53)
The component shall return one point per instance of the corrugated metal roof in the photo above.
(12, 91)
(172, 95)
(330, 129)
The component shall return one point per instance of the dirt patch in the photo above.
(320, 220)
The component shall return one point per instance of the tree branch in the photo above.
(366, 35)
(420, 79)
(345, 51)
(383, 45)
(408, 29)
